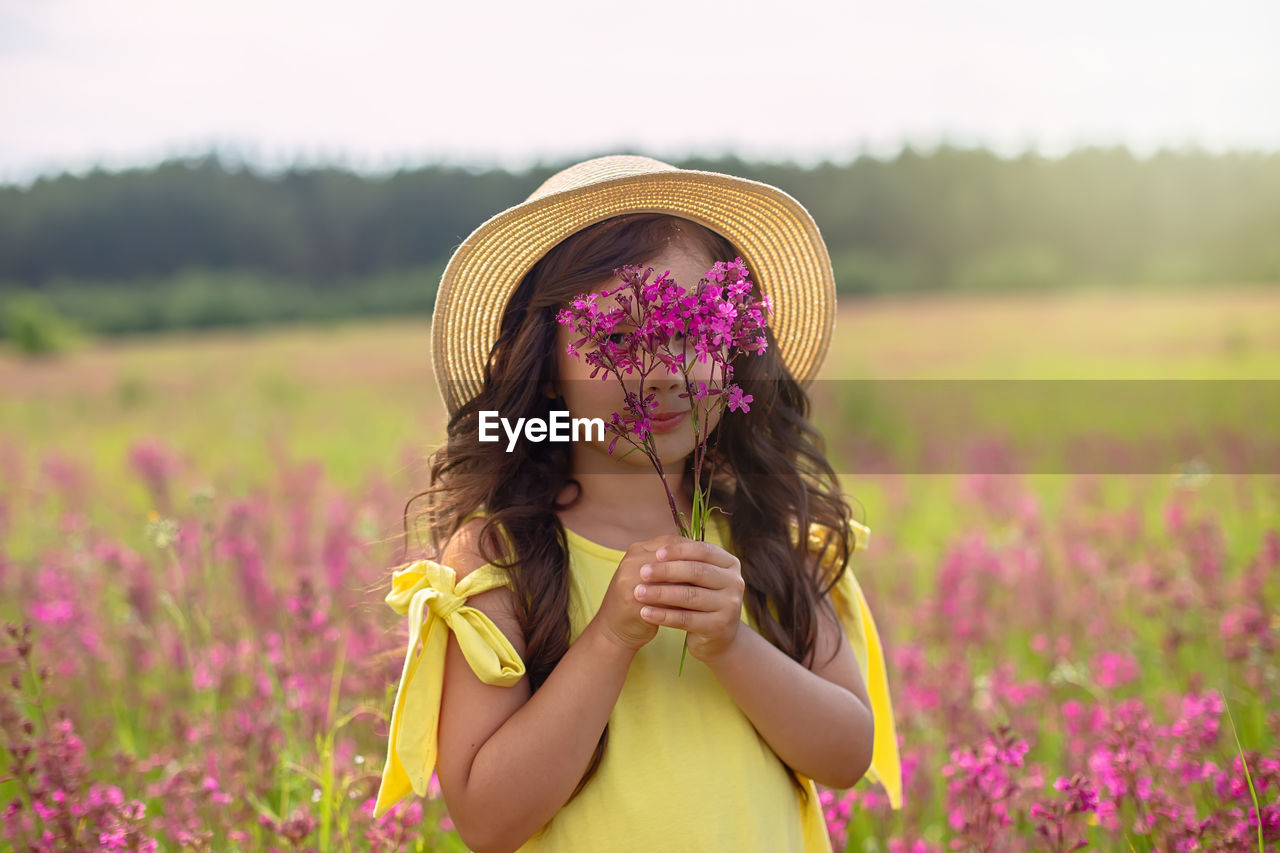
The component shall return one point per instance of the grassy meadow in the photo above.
(197, 533)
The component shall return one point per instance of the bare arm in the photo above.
(825, 729)
(495, 740)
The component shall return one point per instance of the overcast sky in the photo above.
(378, 83)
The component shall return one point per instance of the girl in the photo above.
(553, 622)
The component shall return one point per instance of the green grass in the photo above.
(361, 397)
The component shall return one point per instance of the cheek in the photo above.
(704, 371)
(583, 395)
(587, 397)
(574, 377)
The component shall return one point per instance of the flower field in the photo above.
(196, 535)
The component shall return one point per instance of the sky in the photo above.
(381, 84)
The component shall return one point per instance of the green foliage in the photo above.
(1026, 267)
(34, 327)
(199, 243)
(867, 272)
(205, 298)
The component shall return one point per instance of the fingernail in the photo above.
(662, 554)
(646, 572)
(640, 591)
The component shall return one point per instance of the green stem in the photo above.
(326, 803)
(1248, 777)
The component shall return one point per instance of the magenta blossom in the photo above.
(657, 325)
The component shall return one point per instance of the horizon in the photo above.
(231, 161)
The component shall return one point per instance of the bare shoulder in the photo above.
(464, 553)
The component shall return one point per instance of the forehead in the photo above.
(687, 264)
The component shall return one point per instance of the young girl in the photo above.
(546, 696)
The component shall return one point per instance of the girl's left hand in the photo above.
(696, 587)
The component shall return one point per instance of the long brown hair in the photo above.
(776, 478)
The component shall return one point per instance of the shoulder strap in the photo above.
(435, 603)
(859, 626)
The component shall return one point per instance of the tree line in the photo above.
(204, 242)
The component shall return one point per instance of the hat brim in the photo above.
(779, 241)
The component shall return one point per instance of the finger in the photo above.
(676, 595)
(702, 551)
(651, 546)
(693, 621)
(667, 540)
(685, 571)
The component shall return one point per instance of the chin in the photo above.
(673, 450)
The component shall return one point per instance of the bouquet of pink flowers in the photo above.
(657, 325)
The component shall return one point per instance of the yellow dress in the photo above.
(683, 763)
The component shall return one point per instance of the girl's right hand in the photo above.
(619, 615)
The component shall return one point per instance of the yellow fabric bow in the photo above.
(428, 585)
(855, 616)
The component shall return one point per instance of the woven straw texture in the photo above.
(779, 241)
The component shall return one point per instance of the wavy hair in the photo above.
(773, 478)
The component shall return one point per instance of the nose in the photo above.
(661, 381)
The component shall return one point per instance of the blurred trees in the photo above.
(192, 243)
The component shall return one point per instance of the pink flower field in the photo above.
(197, 535)
(217, 674)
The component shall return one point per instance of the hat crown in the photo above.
(599, 169)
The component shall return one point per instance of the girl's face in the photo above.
(595, 398)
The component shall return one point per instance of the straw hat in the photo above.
(777, 237)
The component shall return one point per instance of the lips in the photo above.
(668, 421)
